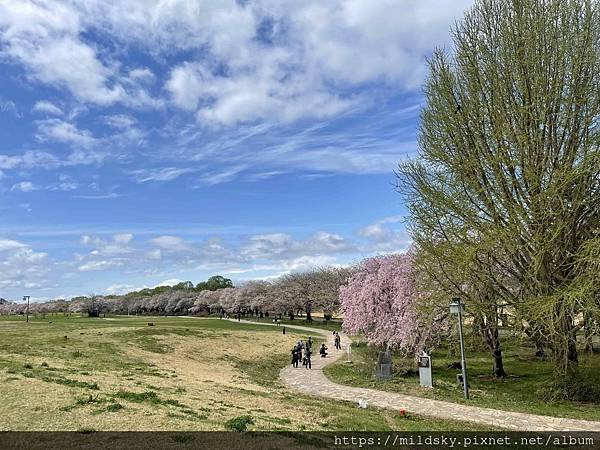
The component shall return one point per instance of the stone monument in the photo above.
(424, 363)
(383, 370)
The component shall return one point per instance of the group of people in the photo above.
(302, 351)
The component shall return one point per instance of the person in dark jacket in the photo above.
(323, 351)
(307, 354)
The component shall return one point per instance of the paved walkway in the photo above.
(314, 382)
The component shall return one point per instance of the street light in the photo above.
(456, 307)
(26, 298)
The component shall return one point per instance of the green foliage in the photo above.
(114, 407)
(504, 200)
(530, 387)
(214, 283)
(87, 400)
(239, 423)
(578, 388)
(139, 397)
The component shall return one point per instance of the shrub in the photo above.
(114, 407)
(139, 397)
(239, 423)
(89, 399)
(577, 388)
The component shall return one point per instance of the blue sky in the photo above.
(143, 141)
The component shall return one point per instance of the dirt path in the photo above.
(314, 382)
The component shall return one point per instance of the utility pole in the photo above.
(26, 297)
(456, 307)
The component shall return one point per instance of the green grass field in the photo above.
(118, 373)
(317, 322)
(523, 389)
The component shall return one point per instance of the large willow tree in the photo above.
(505, 196)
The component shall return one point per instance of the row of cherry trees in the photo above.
(379, 298)
(291, 295)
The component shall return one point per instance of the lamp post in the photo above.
(26, 297)
(456, 307)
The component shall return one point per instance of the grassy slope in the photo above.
(521, 391)
(318, 322)
(120, 374)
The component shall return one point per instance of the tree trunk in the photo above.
(538, 339)
(308, 313)
(588, 333)
(498, 364)
(565, 347)
(489, 328)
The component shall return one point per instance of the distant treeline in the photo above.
(290, 295)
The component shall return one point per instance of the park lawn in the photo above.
(317, 322)
(118, 373)
(521, 391)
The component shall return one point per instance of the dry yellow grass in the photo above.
(205, 374)
(183, 374)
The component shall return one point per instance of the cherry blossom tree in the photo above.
(381, 301)
(255, 294)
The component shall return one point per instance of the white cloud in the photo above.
(119, 289)
(90, 240)
(9, 244)
(123, 238)
(261, 60)
(9, 106)
(99, 196)
(187, 84)
(47, 107)
(61, 131)
(380, 230)
(386, 235)
(170, 243)
(375, 231)
(142, 74)
(281, 246)
(162, 174)
(64, 186)
(24, 186)
(99, 265)
(22, 267)
(46, 38)
(31, 159)
(120, 121)
(222, 176)
(169, 282)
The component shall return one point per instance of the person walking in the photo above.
(309, 343)
(307, 358)
(338, 341)
(295, 356)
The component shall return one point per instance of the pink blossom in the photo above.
(380, 301)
